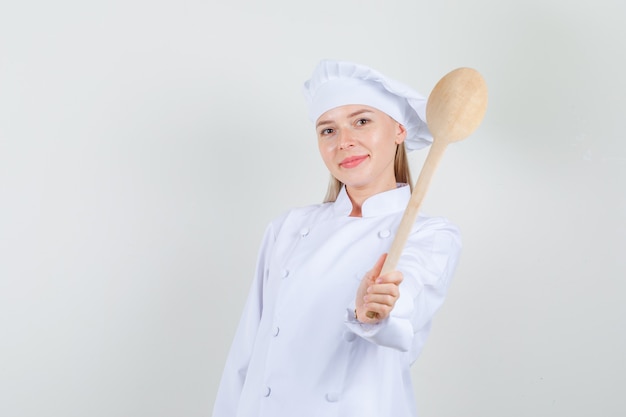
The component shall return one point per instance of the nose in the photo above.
(345, 139)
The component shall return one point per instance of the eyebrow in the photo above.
(353, 114)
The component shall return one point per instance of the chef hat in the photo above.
(337, 83)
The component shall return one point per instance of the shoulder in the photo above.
(298, 215)
(436, 232)
(435, 224)
(433, 249)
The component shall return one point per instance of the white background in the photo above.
(144, 146)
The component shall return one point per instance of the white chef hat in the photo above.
(337, 83)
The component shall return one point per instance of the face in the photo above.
(358, 145)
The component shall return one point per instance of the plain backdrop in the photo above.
(145, 145)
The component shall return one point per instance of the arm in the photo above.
(236, 367)
(425, 270)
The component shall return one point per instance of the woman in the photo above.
(305, 345)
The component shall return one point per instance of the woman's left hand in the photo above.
(377, 293)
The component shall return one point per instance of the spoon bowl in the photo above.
(457, 104)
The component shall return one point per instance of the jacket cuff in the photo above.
(393, 332)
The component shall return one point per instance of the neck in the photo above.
(359, 195)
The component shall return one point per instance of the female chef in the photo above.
(305, 345)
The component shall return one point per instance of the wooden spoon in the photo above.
(454, 110)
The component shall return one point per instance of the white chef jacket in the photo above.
(298, 350)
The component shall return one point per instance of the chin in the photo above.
(356, 184)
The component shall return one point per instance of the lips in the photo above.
(352, 161)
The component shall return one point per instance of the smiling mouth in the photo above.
(352, 161)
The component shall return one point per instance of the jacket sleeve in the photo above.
(236, 367)
(427, 263)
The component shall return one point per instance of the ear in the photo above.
(400, 133)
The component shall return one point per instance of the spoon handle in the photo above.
(435, 154)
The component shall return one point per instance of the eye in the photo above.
(362, 122)
(325, 132)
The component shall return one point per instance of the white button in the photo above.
(332, 397)
(285, 273)
(349, 336)
(276, 331)
(267, 392)
(384, 234)
(304, 231)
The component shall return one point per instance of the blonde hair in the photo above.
(400, 166)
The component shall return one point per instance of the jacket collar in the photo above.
(379, 204)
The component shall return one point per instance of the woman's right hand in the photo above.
(377, 294)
